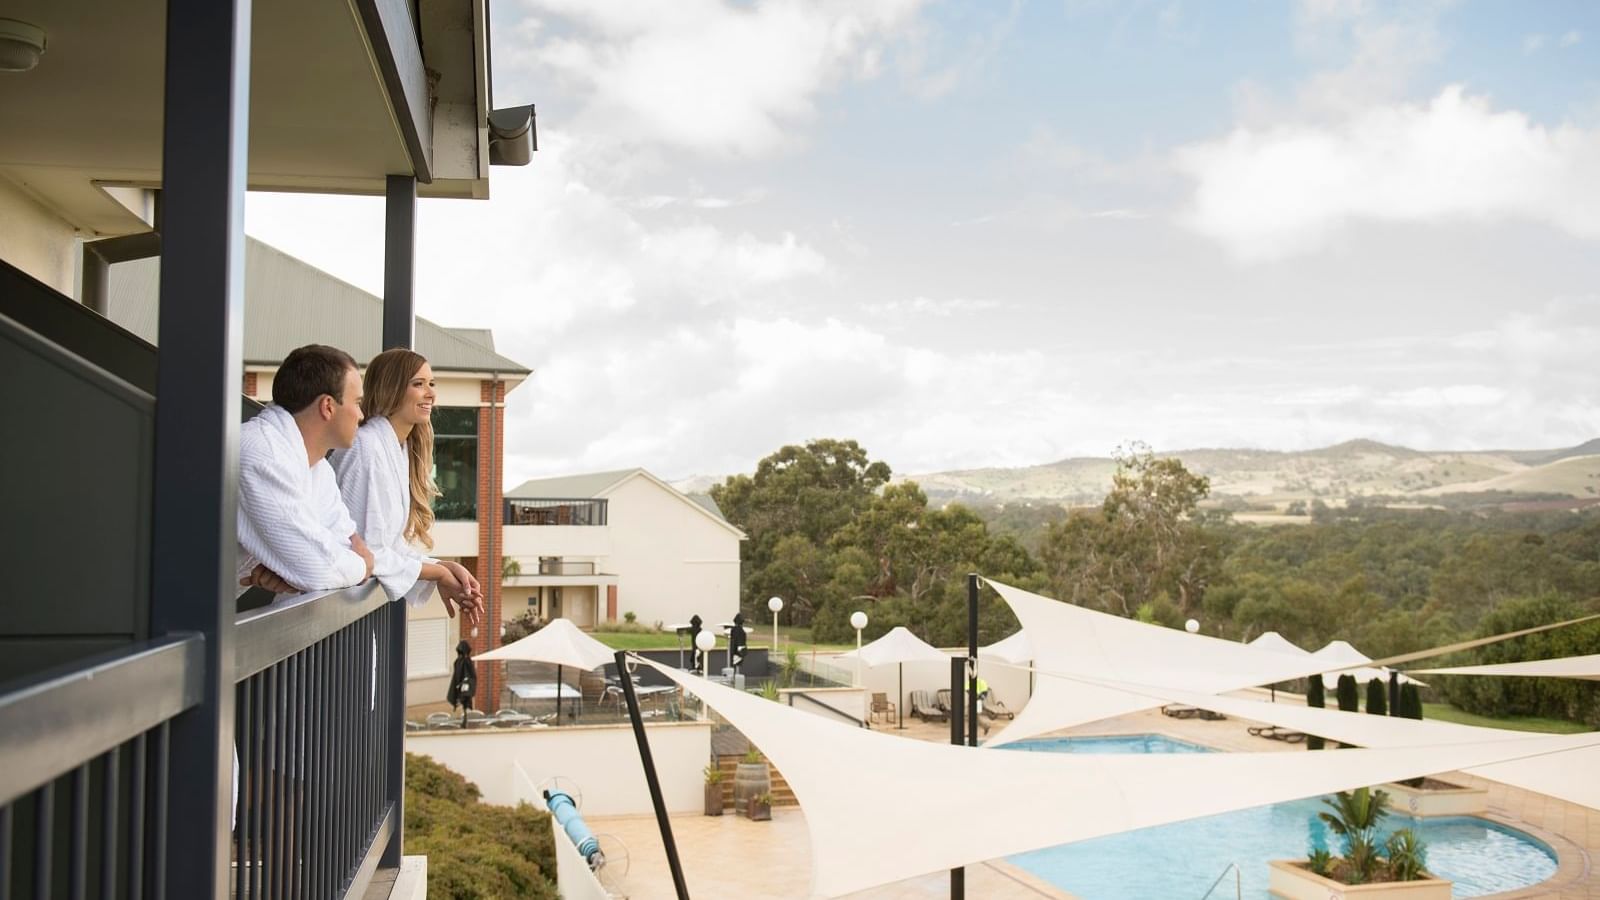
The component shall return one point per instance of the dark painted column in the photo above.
(399, 262)
(204, 144)
(399, 330)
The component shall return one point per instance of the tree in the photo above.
(1146, 541)
(1377, 699)
(1314, 698)
(1348, 694)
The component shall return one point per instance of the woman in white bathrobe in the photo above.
(386, 480)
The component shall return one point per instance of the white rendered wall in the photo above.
(602, 759)
(671, 560)
(1007, 683)
(34, 240)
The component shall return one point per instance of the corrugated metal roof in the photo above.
(568, 487)
(289, 303)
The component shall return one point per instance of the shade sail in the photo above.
(1074, 640)
(1573, 776)
(559, 643)
(1566, 667)
(880, 809)
(898, 646)
(1014, 649)
(1277, 643)
(1349, 662)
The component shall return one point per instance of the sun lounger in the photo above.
(924, 708)
(994, 709)
(1276, 733)
(1181, 711)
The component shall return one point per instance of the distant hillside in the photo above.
(1268, 480)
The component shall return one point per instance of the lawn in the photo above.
(1444, 712)
(759, 635)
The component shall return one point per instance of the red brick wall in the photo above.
(491, 452)
(250, 384)
(611, 603)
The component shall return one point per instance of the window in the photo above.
(455, 463)
(427, 650)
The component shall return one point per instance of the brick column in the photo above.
(491, 453)
(250, 384)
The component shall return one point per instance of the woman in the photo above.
(386, 479)
(463, 680)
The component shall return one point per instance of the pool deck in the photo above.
(728, 856)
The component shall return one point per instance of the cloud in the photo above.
(709, 76)
(1533, 43)
(1271, 193)
(926, 307)
(1571, 39)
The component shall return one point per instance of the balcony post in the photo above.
(399, 330)
(204, 153)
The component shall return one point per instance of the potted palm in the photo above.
(713, 790)
(1395, 869)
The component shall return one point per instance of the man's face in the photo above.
(347, 412)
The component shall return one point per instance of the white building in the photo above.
(592, 548)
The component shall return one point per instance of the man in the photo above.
(294, 532)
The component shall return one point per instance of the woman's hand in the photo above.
(468, 583)
(454, 594)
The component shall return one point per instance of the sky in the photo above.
(1003, 233)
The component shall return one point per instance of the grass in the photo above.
(760, 636)
(1444, 712)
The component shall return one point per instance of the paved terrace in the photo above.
(728, 856)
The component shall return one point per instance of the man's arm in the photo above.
(277, 527)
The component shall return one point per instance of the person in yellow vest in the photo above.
(981, 688)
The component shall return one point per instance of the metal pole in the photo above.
(958, 675)
(650, 776)
(858, 657)
(972, 658)
(399, 316)
(204, 142)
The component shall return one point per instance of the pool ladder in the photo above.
(1238, 887)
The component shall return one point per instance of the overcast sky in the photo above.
(983, 233)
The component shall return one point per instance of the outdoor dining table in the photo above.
(542, 690)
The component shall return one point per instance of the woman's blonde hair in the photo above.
(384, 389)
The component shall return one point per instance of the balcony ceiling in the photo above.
(90, 114)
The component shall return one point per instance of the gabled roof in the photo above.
(289, 303)
(598, 485)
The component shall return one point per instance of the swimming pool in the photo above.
(1183, 859)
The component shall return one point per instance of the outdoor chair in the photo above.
(922, 707)
(439, 718)
(884, 708)
(994, 709)
(1276, 733)
(1180, 711)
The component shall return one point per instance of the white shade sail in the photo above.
(1074, 640)
(559, 643)
(1349, 660)
(1567, 667)
(898, 646)
(1277, 643)
(880, 809)
(1015, 649)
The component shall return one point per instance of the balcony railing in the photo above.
(318, 733)
(555, 512)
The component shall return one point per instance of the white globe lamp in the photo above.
(858, 621)
(1192, 626)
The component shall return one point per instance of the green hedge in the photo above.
(475, 850)
(1556, 698)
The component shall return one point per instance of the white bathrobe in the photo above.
(291, 517)
(375, 480)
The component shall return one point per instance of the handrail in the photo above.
(264, 636)
(833, 709)
(68, 715)
(1238, 884)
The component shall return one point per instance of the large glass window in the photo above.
(455, 462)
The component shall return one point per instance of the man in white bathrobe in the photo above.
(295, 534)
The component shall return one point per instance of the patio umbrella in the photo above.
(899, 646)
(1015, 650)
(1277, 643)
(561, 643)
(1340, 652)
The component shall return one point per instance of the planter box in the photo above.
(1291, 882)
(1423, 803)
(714, 799)
(757, 811)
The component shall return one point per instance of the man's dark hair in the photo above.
(308, 373)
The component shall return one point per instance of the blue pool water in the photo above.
(1183, 859)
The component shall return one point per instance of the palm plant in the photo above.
(1408, 855)
(1355, 816)
(1319, 862)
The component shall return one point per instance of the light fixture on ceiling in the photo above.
(21, 45)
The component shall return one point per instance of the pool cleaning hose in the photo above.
(566, 815)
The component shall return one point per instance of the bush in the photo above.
(1410, 702)
(526, 623)
(475, 850)
(1348, 694)
(1557, 698)
(1408, 856)
(1315, 698)
(1355, 816)
(630, 617)
(1377, 697)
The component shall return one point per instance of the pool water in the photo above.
(1182, 860)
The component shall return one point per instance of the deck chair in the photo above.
(882, 707)
(994, 709)
(941, 699)
(923, 707)
(1180, 711)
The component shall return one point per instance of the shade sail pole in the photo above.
(650, 776)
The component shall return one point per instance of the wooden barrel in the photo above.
(750, 780)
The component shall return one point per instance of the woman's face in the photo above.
(416, 407)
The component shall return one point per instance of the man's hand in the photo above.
(361, 549)
(263, 577)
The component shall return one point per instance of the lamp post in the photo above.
(705, 642)
(776, 605)
(858, 621)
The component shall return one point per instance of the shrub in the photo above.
(1411, 701)
(630, 617)
(1355, 816)
(1320, 862)
(1315, 698)
(713, 774)
(752, 755)
(769, 690)
(1377, 697)
(474, 849)
(526, 623)
(1348, 695)
(1408, 855)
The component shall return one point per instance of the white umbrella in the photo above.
(1277, 643)
(561, 643)
(899, 646)
(1342, 654)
